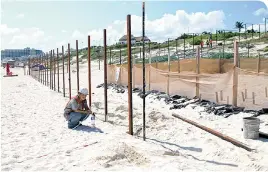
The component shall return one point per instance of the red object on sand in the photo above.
(8, 69)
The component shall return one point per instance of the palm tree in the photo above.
(239, 26)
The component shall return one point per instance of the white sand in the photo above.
(35, 135)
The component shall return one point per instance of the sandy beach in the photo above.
(35, 136)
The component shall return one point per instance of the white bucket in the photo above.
(251, 126)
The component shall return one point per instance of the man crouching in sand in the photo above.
(77, 109)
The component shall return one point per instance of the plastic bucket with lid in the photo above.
(251, 126)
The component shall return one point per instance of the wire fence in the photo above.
(209, 66)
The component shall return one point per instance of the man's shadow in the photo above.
(89, 129)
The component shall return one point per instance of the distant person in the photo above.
(202, 44)
(210, 42)
(207, 43)
(7, 69)
(77, 110)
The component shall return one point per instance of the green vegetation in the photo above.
(265, 49)
(192, 39)
(222, 56)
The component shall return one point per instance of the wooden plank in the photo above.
(216, 133)
(9, 75)
(263, 135)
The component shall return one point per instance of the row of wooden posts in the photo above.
(51, 62)
(243, 95)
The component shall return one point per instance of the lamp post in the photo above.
(265, 20)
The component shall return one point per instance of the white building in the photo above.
(123, 40)
(134, 40)
(139, 39)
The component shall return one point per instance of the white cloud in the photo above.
(20, 16)
(77, 35)
(5, 30)
(25, 37)
(261, 12)
(168, 26)
(63, 31)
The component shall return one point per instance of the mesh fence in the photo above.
(214, 83)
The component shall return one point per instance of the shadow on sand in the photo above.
(88, 129)
(176, 153)
(181, 147)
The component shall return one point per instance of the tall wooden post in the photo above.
(130, 117)
(58, 69)
(69, 67)
(39, 72)
(77, 65)
(197, 71)
(105, 75)
(258, 63)
(46, 80)
(50, 70)
(63, 73)
(143, 72)
(54, 71)
(89, 71)
(235, 74)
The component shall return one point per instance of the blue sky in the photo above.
(58, 23)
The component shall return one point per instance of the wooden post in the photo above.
(77, 65)
(105, 75)
(29, 73)
(40, 59)
(253, 98)
(227, 100)
(219, 64)
(197, 71)
(178, 55)
(246, 93)
(258, 63)
(63, 72)
(67, 64)
(69, 67)
(89, 71)
(149, 70)
(133, 72)
(46, 79)
(243, 96)
(43, 71)
(143, 73)
(58, 69)
(221, 95)
(54, 71)
(235, 75)
(39, 74)
(266, 92)
(130, 116)
(168, 69)
(50, 71)
(217, 97)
